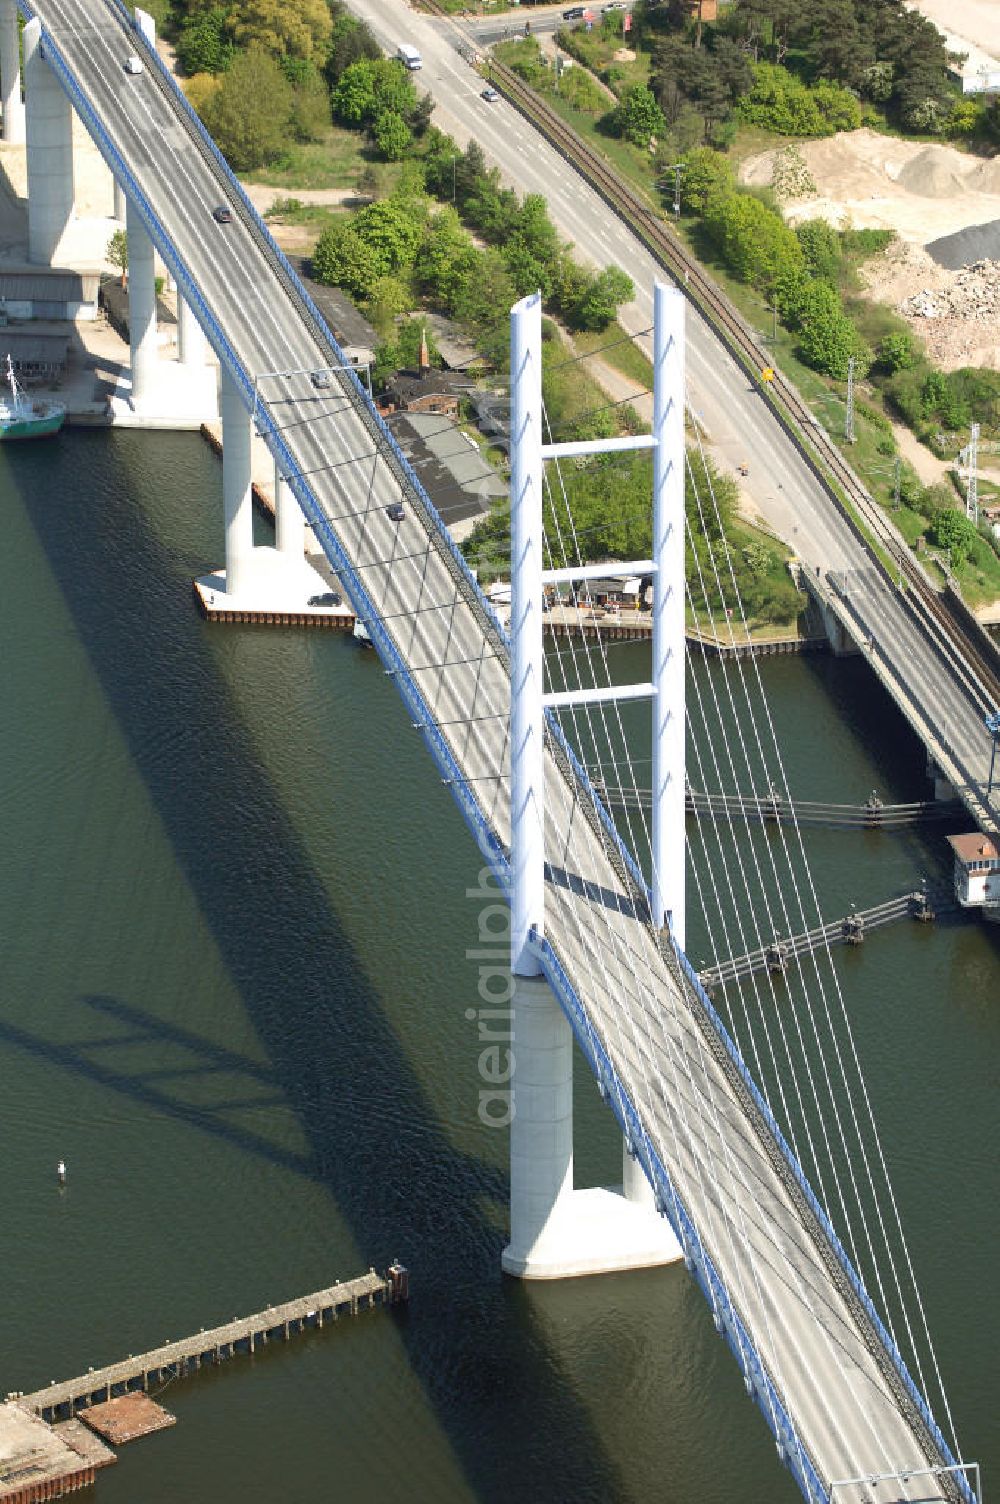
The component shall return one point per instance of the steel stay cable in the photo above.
(850, 1100)
(813, 961)
(721, 1200)
(735, 720)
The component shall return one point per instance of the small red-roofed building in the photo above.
(977, 870)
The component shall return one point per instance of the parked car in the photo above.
(328, 598)
(490, 94)
(613, 5)
(396, 512)
(133, 64)
(575, 13)
(222, 214)
(321, 380)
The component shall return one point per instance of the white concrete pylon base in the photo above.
(184, 397)
(596, 1231)
(276, 584)
(555, 1231)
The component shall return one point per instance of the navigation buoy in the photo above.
(61, 1172)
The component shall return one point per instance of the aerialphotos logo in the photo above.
(495, 1015)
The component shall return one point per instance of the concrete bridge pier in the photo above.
(944, 790)
(289, 523)
(141, 313)
(10, 73)
(49, 133)
(237, 497)
(119, 204)
(557, 1231)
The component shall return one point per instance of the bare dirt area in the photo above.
(956, 314)
(867, 180)
(922, 192)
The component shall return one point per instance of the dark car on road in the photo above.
(328, 598)
(396, 512)
(575, 13)
(222, 214)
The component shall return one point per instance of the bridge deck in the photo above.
(824, 1364)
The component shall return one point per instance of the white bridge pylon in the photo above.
(556, 1230)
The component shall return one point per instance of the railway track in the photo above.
(967, 651)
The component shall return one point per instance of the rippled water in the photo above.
(233, 984)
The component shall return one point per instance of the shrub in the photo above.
(955, 532)
(897, 352)
(821, 248)
(753, 241)
(827, 338)
(779, 101)
(637, 116)
(707, 176)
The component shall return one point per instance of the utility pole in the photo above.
(677, 168)
(849, 415)
(993, 727)
(972, 478)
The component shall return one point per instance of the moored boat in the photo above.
(23, 418)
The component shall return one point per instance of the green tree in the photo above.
(117, 253)
(837, 107)
(392, 135)
(827, 338)
(368, 88)
(897, 352)
(955, 532)
(707, 175)
(821, 248)
(446, 258)
(343, 258)
(205, 43)
(638, 117)
(753, 241)
(351, 41)
(310, 110)
(353, 99)
(387, 299)
(250, 113)
(295, 28)
(482, 303)
(393, 230)
(780, 102)
(598, 306)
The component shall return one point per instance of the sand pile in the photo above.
(863, 179)
(932, 173)
(986, 177)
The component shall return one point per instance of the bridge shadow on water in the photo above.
(514, 1422)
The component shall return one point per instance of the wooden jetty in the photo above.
(246, 1334)
(778, 809)
(777, 957)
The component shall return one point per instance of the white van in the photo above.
(409, 56)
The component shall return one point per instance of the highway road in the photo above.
(825, 1363)
(914, 663)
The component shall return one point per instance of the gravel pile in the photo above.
(977, 243)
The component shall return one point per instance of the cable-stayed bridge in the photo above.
(821, 1361)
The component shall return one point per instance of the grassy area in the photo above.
(291, 211)
(335, 162)
(619, 351)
